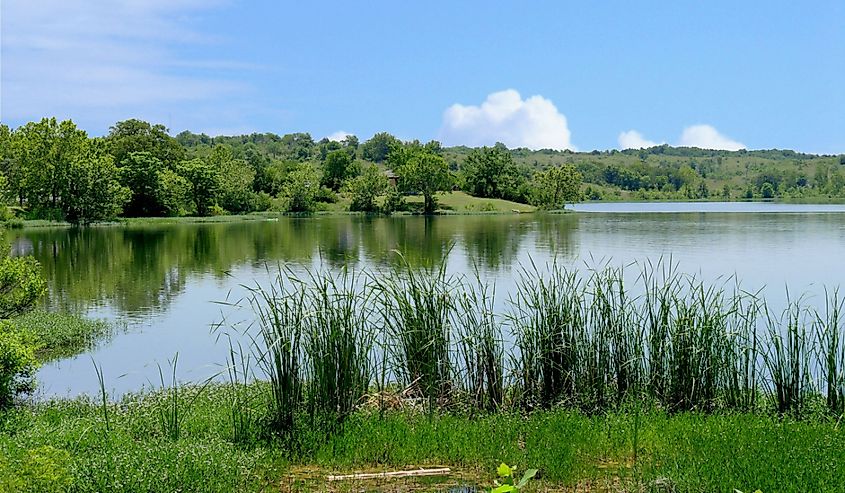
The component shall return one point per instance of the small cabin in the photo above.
(392, 177)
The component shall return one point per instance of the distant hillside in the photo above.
(658, 173)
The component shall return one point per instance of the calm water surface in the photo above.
(163, 281)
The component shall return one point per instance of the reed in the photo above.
(416, 307)
(281, 318)
(788, 357)
(338, 345)
(480, 345)
(830, 331)
(591, 342)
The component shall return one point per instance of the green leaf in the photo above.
(505, 488)
(526, 477)
(504, 470)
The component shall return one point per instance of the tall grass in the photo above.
(416, 306)
(589, 340)
(338, 344)
(480, 345)
(281, 318)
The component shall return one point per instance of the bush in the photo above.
(325, 195)
(393, 201)
(17, 364)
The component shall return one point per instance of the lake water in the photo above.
(163, 281)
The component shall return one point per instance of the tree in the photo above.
(337, 168)
(491, 172)
(43, 153)
(421, 170)
(379, 146)
(204, 183)
(132, 135)
(236, 177)
(301, 190)
(767, 191)
(365, 187)
(141, 172)
(557, 186)
(94, 192)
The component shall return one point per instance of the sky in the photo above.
(561, 75)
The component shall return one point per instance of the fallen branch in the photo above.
(440, 471)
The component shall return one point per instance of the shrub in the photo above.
(17, 364)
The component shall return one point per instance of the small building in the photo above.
(391, 177)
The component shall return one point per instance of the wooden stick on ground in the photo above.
(440, 471)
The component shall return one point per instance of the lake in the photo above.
(163, 281)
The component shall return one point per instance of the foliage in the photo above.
(506, 482)
(143, 174)
(301, 189)
(129, 136)
(17, 364)
(556, 187)
(491, 172)
(365, 188)
(94, 192)
(379, 147)
(421, 170)
(204, 182)
(44, 469)
(337, 169)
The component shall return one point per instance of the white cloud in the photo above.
(634, 140)
(707, 137)
(505, 117)
(701, 136)
(104, 60)
(338, 136)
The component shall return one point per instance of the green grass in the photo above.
(61, 335)
(461, 202)
(692, 451)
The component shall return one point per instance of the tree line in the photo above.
(53, 170)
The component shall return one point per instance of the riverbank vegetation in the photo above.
(602, 379)
(53, 170)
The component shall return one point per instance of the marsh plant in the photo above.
(591, 340)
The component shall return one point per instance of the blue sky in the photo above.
(585, 75)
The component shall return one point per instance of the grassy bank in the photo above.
(61, 335)
(652, 382)
(71, 446)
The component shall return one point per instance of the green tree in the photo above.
(337, 168)
(132, 135)
(94, 192)
(43, 154)
(767, 191)
(421, 170)
(300, 190)
(365, 188)
(557, 186)
(142, 172)
(204, 182)
(379, 146)
(174, 193)
(236, 177)
(491, 172)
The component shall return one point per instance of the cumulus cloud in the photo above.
(701, 136)
(635, 140)
(105, 60)
(338, 136)
(707, 137)
(505, 117)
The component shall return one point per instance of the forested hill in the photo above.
(54, 170)
(658, 173)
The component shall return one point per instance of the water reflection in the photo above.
(140, 270)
